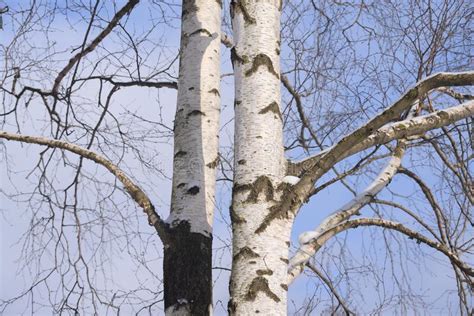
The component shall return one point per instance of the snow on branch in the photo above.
(134, 190)
(453, 257)
(307, 245)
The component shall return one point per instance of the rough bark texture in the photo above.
(260, 229)
(187, 262)
(187, 272)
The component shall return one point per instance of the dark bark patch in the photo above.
(284, 286)
(180, 153)
(215, 91)
(264, 272)
(189, 7)
(245, 253)
(260, 284)
(179, 186)
(276, 212)
(187, 281)
(193, 190)
(191, 89)
(285, 260)
(272, 107)
(196, 112)
(235, 57)
(261, 185)
(201, 31)
(261, 60)
(240, 7)
(213, 164)
(242, 162)
(237, 103)
(235, 218)
(231, 307)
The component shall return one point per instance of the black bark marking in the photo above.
(213, 164)
(262, 60)
(261, 185)
(241, 7)
(235, 218)
(264, 272)
(272, 107)
(245, 253)
(196, 112)
(180, 153)
(185, 278)
(260, 284)
(284, 286)
(242, 162)
(201, 31)
(285, 260)
(191, 89)
(231, 307)
(179, 186)
(237, 103)
(234, 57)
(193, 190)
(276, 212)
(189, 7)
(215, 91)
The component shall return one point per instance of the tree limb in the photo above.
(134, 190)
(126, 9)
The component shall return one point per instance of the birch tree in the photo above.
(326, 94)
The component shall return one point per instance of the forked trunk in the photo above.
(260, 228)
(187, 256)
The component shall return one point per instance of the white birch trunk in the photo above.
(260, 232)
(187, 262)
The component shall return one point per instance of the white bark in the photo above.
(197, 117)
(260, 232)
(187, 261)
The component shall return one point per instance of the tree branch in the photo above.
(115, 20)
(321, 240)
(134, 190)
(331, 288)
(387, 133)
(306, 249)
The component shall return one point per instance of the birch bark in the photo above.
(187, 256)
(260, 233)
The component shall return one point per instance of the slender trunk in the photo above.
(260, 230)
(187, 255)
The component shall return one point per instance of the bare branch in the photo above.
(126, 9)
(385, 134)
(330, 287)
(134, 190)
